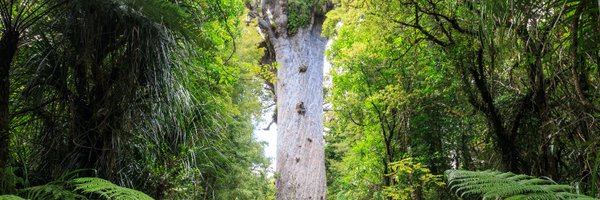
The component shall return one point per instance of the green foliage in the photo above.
(507, 185)
(412, 176)
(166, 13)
(78, 188)
(595, 174)
(9, 181)
(161, 96)
(299, 15)
(474, 85)
(107, 189)
(148, 93)
(391, 98)
(10, 197)
(54, 190)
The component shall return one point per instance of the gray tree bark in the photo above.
(299, 90)
(300, 170)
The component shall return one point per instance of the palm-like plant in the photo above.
(111, 65)
(107, 85)
(97, 75)
(16, 17)
(109, 73)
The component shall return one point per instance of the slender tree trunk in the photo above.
(8, 49)
(465, 151)
(505, 140)
(299, 91)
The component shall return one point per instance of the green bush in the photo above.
(298, 15)
(411, 175)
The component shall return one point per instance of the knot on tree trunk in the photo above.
(300, 108)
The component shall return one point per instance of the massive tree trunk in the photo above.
(299, 94)
(299, 91)
(8, 49)
(300, 149)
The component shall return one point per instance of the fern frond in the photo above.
(107, 189)
(50, 191)
(10, 197)
(568, 195)
(507, 185)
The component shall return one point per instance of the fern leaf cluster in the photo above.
(78, 189)
(50, 191)
(107, 189)
(507, 185)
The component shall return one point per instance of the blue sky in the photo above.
(270, 137)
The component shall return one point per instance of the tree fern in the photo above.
(107, 189)
(509, 186)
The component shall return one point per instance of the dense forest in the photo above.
(372, 99)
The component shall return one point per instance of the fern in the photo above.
(107, 189)
(10, 197)
(55, 189)
(75, 189)
(50, 191)
(509, 186)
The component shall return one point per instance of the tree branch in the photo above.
(453, 22)
(20, 112)
(425, 32)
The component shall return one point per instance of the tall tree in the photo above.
(522, 71)
(293, 30)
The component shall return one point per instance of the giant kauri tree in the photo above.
(293, 30)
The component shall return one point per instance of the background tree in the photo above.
(483, 84)
(151, 95)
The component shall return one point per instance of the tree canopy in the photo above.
(508, 85)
